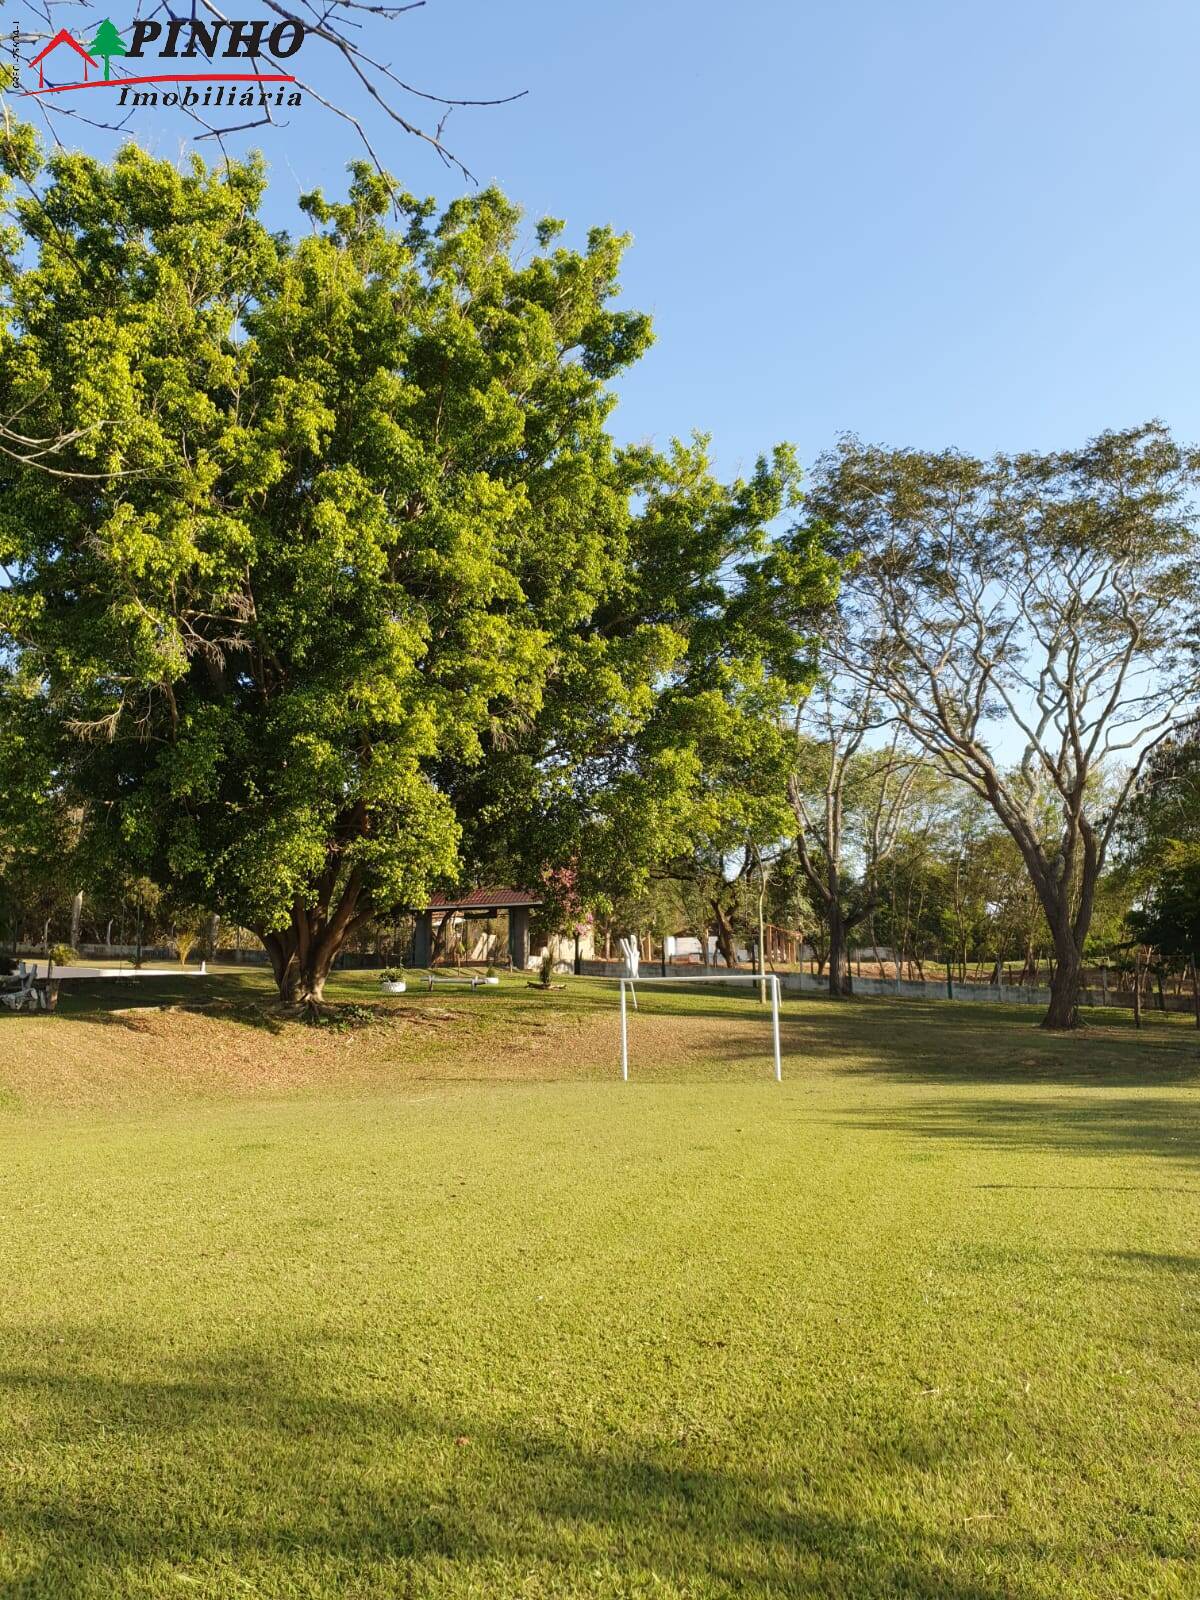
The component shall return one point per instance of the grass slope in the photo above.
(437, 1307)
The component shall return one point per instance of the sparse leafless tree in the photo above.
(848, 790)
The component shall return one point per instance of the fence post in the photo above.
(949, 981)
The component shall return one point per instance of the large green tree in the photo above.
(328, 576)
(718, 733)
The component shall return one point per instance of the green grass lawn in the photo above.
(437, 1316)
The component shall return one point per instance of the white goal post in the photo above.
(721, 977)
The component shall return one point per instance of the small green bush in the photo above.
(62, 955)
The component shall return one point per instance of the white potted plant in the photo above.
(491, 976)
(391, 980)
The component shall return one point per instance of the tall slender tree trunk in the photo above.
(441, 938)
(838, 969)
(1069, 916)
(1063, 1010)
(724, 935)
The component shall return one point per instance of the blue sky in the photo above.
(927, 223)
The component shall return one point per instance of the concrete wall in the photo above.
(164, 955)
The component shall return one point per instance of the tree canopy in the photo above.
(329, 571)
(1035, 599)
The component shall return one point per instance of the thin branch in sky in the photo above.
(338, 26)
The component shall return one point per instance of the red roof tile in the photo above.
(490, 898)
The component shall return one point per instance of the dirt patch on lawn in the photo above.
(148, 1054)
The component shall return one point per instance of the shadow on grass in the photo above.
(243, 996)
(923, 1041)
(1159, 1260)
(1093, 1188)
(240, 1468)
(915, 1042)
(248, 997)
(1104, 1126)
(130, 1013)
(903, 1041)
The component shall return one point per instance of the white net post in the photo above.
(735, 977)
(624, 1036)
(775, 1027)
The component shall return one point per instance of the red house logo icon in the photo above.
(60, 38)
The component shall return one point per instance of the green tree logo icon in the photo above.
(107, 43)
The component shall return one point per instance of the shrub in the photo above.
(392, 975)
(62, 955)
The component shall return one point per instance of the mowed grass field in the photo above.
(426, 1302)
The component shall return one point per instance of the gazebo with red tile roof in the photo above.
(489, 901)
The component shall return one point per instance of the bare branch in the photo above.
(337, 27)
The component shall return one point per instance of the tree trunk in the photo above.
(303, 953)
(838, 975)
(300, 980)
(441, 939)
(1063, 1010)
(1068, 917)
(724, 936)
(762, 939)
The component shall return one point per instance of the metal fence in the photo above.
(804, 982)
